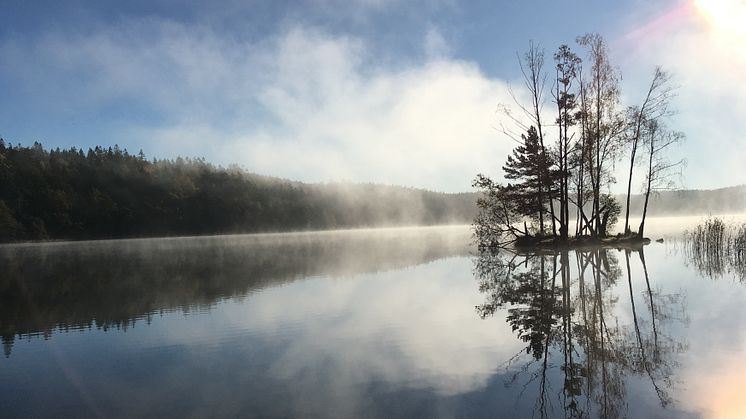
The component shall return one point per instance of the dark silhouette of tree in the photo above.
(654, 107)
(527, 166)
(660, 170)
(575, 169)
(534, 80)
(567, 66)
(603, 123)
(495, 223)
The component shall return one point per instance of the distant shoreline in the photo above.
(654, 228)
(355, 230)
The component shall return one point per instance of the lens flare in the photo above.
(724, 16)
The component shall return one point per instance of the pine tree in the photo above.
(526, 166)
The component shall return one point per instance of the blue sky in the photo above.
(388, 91)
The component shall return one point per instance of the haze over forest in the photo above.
(108, 193)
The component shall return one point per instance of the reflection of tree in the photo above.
(533, 304)
(109, 284)
(567, 314)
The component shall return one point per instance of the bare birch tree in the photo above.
(604, 123)
(654, 107)
(567, 64)
(660, 171)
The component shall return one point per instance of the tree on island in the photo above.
(527, 166)
(642, 121)
(658, 139)
(573, 170)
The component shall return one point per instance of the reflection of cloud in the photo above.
(413, 328)
(719, 391)
(369, 319)
(348, 344)
(711, 376)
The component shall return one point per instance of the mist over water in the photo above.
(675, 226)
(353, 209)
(394, 322)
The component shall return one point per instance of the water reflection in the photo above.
(580, 336)
(84, 285)
(376, 324)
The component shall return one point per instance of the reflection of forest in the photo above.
(565, 306)
(114, 283)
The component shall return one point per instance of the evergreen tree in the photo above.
(527, 166)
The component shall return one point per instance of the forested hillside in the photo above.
(107, 193)
(693, 202)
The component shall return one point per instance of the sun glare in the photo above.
(725, 16)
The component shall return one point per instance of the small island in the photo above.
(560, 173)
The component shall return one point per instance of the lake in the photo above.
(409, 322)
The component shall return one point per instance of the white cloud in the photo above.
(426, 126)
(436, 45)
(304, 104)
(309, 105)
(338, 118)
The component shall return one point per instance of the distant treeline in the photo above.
(730, 200)
(110, 193)
(693, 202)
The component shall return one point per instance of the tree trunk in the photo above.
(629, 186)
(641, 230)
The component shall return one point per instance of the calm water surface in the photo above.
(387, 323)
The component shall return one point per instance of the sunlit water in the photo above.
(379, 323)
